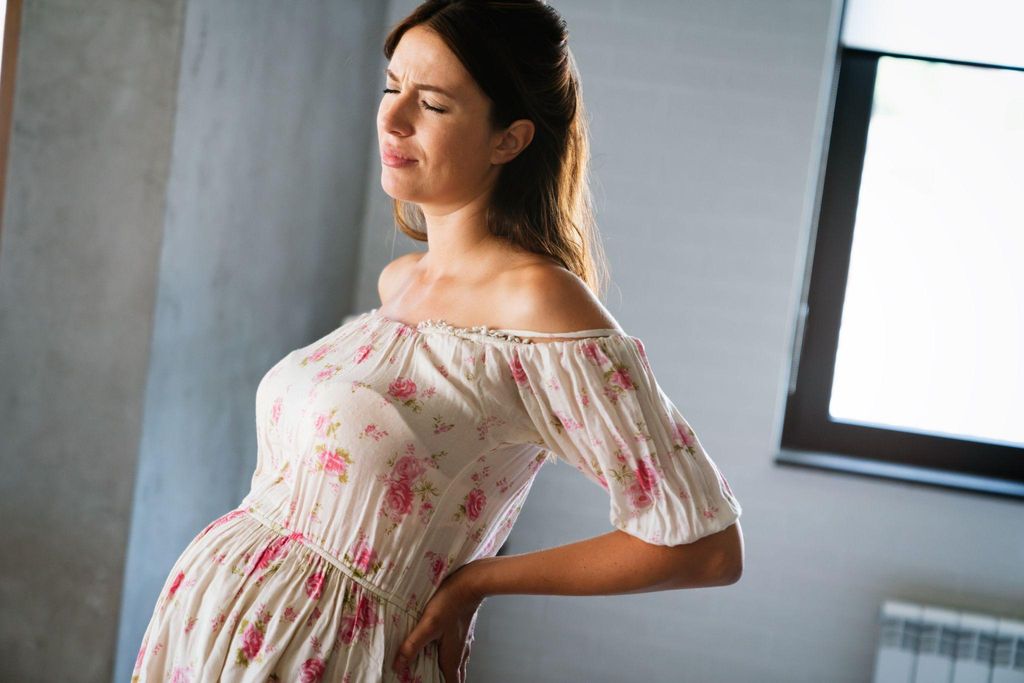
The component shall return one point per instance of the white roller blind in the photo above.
(984, 31)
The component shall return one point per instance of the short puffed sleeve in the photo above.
(595, 403)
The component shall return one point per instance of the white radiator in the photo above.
(929, 644)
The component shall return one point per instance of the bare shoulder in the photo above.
(394, 273)
(550, 298)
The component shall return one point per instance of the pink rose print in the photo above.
(275, 410)
(218, 621)
(312, 671)
(363, 556)
(481, 474)
(362, 353)
(566, 422)
(142, 651)
(592, 352)
(486, 424)
(620, 378)
(646, 477)
(408, 468)
(398, 502)
(638, 496)
(643, 490)
(406, 484)
(318, 354)
(440, 426)
(273, 550)
(314, 585)
(438, 566)
(174, 585)
(252, 641)
(332, 461)
(181, 674)
(364, 617)
(348, 630)
(366, 614)
(223, 519)
(426, 508)
(374, 432)
(684, 433)
(518, 374)
(405, 390)
(252, 636)
(475, 502)
(320, 424)
(402, 389)
(643, 353)
(326, 373)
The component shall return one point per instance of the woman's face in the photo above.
(454, 149)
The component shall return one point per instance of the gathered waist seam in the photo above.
(279, 528)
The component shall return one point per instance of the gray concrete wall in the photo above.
(165, 241)
(83, 219)
(260, 246)
(708, 124)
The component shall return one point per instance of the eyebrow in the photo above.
(423, 86)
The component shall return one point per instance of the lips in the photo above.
(396, 154)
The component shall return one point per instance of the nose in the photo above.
(393, 115)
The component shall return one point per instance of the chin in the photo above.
(397, 191)
(392, 187)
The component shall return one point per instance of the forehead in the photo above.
(422, 56)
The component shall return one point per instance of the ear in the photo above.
(513, 140)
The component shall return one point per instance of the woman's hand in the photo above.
(450, 615)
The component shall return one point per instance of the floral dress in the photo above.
(389, 455)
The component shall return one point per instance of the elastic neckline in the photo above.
(442, 325)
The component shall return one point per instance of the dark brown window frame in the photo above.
(12, 28)
(809, 437)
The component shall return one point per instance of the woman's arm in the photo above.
(610, 564)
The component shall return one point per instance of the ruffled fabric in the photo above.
(389, 455)
(248, 601)
(596, 404)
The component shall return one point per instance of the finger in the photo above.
(448, 658)
(421, 634)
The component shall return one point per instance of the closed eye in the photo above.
(439, 111)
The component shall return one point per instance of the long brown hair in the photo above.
(518, 53)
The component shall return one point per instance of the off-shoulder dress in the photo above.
(389, 455)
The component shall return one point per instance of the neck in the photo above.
(458, 241)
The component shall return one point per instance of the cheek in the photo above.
(461, 150)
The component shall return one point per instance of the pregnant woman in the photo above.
(395, 452)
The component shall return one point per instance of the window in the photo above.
(909, 359)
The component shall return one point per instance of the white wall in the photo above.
(708, 124)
